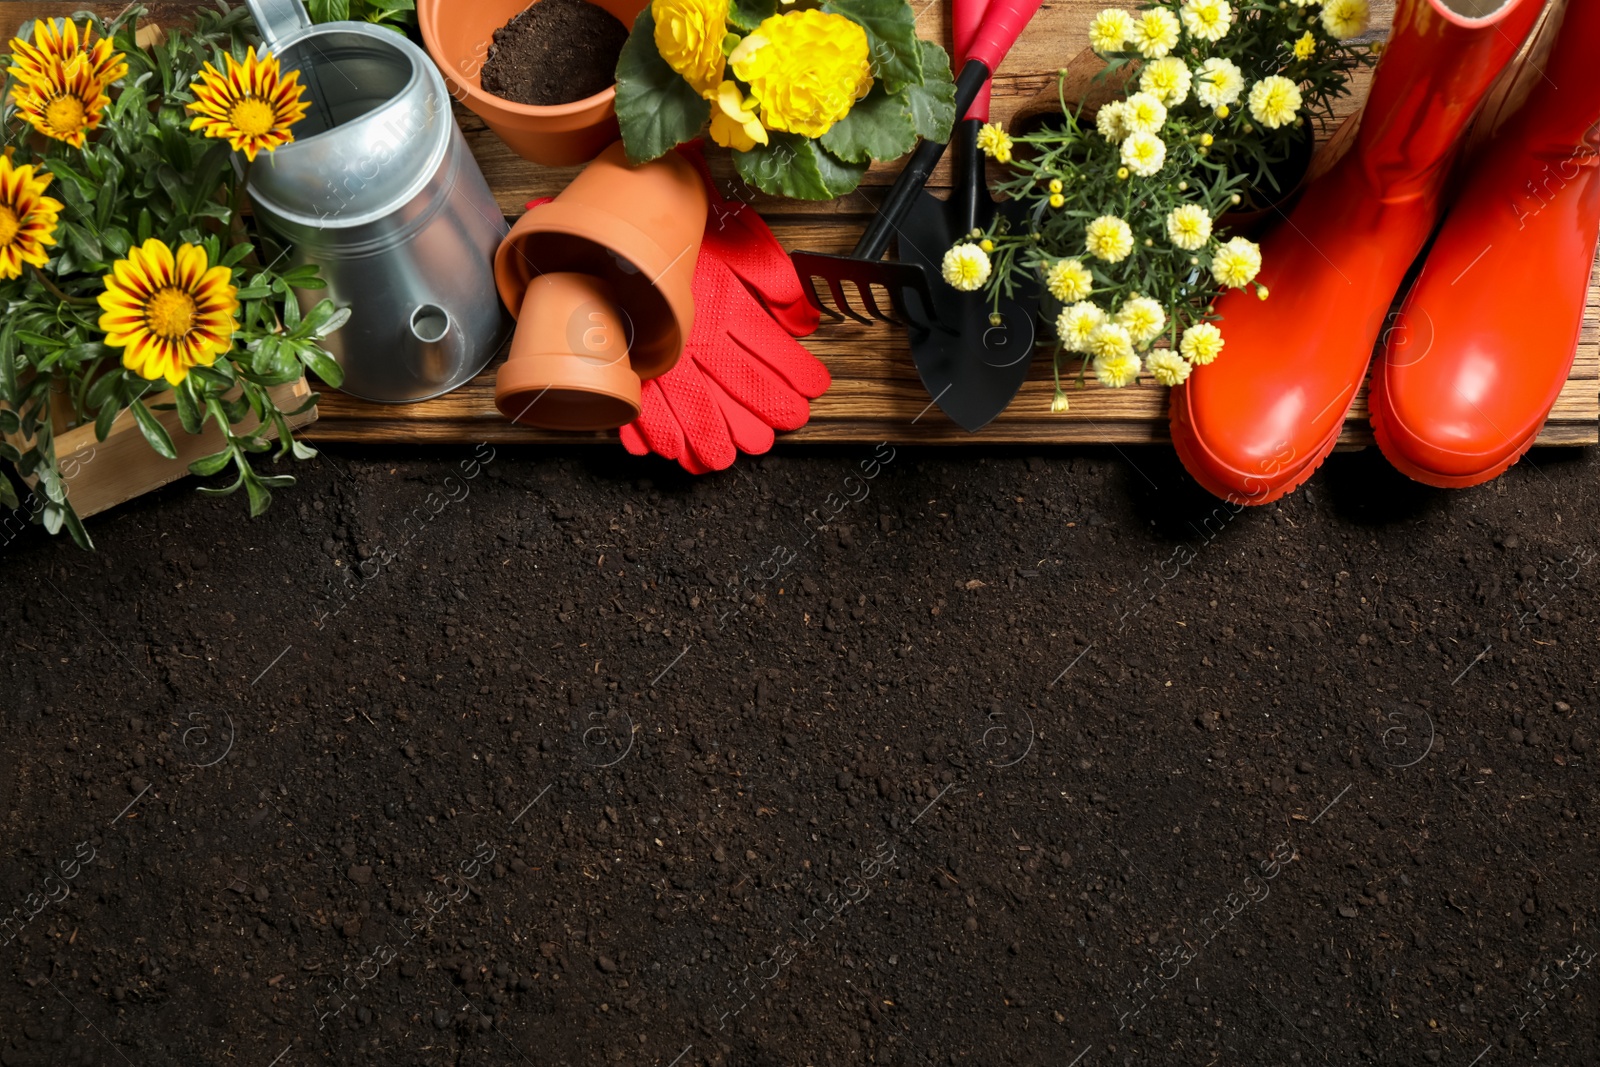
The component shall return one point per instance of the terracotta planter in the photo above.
(458, 37)
(600, 281)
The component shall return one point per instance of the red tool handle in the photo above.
(1002, 23)
(965, 18)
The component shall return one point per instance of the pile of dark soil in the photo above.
(857, 757)
(555, 52)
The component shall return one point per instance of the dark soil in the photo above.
(520, 758)
(555, 52)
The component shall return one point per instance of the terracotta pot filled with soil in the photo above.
(541, 76)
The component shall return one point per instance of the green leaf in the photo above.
(656, 108)
(747, 14)
(797, 167)
(188, 411)
(8, 362)
(933, 103)
(322, 365)
(892, 36)
(153, 431)
(324, 319)
(75, 528)
(8, 493)
(108, 415)
(206, 466)
(879, 126)
(260, 496)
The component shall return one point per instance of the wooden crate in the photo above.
(99, 475)
(876, 394)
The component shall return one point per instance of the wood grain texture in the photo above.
(876, 394)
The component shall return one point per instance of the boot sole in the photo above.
(1392, 453)
(1188, 446)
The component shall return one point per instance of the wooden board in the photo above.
(876, 393)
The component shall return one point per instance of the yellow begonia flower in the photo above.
(1189, 227)
(1306, 46)
(1168, 368)
(806, 69)
(966, 267)
(1144, 153)
(1236, 263)
(1167, 80)
(734, 123)
(1218, 83)
(1346, 18)
(994, 142)
(1109, 238)
(1068, 281)
(1155, 33)
(689, 37)
(1110, 30)
(1208, 20)
(1201, 343)
(1274, 100)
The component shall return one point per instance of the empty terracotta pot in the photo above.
(458, 36)
(600, 281)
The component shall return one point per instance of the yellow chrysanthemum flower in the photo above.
(1110, 340)
(252, 106)
(1208, 20)
(1305, 46)
(1155, 33)
(1109, 121)
(1274, 100)
(1218, 82)
(966, 267)
(1068, 281)
(27, 218)
(734, 122)
(1167, 80)
(1236, 263)
(994, 142)
(1075, 324)
(1201, 343)
(168, 312)
(1189, 227)
(1143, 318)
(689, 35)
(1115, 363)
(1110, 30)
(1167, 367)
(1059, 403)
(805, 68)
(61, 79)
(1109, 238)
(1346, 18)
(1144, 153)
(1143, 113)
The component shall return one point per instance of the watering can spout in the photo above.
(279, 20)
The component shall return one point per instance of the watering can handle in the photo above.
(279, 20)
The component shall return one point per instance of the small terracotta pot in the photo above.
(600, 281)
(458, 36)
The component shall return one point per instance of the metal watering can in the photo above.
(379, 190)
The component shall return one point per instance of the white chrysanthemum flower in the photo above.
(1168, 367)
(1144, 153)
(1143, 113)
(1218, 82)
(1189, 227)
(1236, 263)
(1143, 318)
(1274, 101)
(1075, 323)
(1068, 280)
(1109, 238)
(1109, 121)
(1155, 33)
(1201, 343)
(1346, 18)
(1110, 30)
(966, 267)
(1208, 20)
(1167, 80)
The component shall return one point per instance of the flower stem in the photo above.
(56, 291)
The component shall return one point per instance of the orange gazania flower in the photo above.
(168, 312)
(252, 106)
(61, 78)
(27, 218)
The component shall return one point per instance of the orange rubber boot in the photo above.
(1256, 423)
(1492, 323)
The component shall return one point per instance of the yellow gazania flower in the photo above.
(734, 123)
(1219, 82)
(1068, 281)
(1076, 323)
(1208, 20)
(252, 106)
(27, 218)
(168, 312)
(1201, 343)
(1346, 18)
(1274, 100)
(1236, 263)
(1156, 33)
(62, 79)
(1167, 367)
(1167, 80)
(1110, 30)
(994, 142)
(689, 37)
(805, 68)
(1189, 227)
(1109, 238)
(1144, 153)
(1143, 318)
(1305, 46)
(966, 267)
